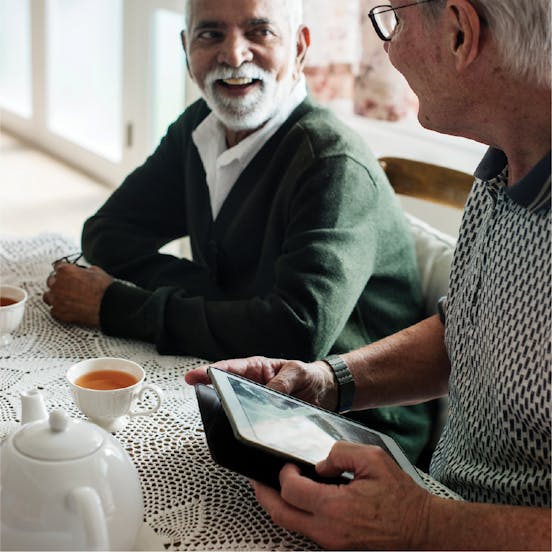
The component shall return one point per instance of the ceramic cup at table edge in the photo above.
(111, 409)
(11, 316)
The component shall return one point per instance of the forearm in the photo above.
(406, 368)
(214, 330)
(454, 525)
(123, 250)
(142, 215)
(127, 253)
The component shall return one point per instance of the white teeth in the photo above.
(238, 81)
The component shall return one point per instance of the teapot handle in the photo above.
(86, 502)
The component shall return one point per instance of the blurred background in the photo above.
(88, 88)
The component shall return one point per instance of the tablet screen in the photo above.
(284, 424)
(303, 432)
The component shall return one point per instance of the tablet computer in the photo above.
(290, 429)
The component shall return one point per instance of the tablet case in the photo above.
(249, 460)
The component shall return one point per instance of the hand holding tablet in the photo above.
(255, 430)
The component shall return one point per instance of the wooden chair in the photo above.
(434, 249)
(426, 181)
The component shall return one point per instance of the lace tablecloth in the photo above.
(190, 502)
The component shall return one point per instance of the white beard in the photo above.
(251, 112)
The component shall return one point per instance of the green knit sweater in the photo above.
(310, 252)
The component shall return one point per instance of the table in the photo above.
(190, 503)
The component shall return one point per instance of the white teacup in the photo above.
(107, 389)
(12, 308)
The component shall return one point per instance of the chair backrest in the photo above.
(427, 181)
(434, 252)
(434, 249)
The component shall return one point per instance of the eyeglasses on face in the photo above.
(385, 20)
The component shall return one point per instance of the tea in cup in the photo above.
(107, 390)
(12, 308)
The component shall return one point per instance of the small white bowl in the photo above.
(11, 315)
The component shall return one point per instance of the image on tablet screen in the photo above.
(299, 430)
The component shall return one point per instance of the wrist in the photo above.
(419, 537)
(345, 383)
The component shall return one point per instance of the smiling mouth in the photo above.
(239, 82)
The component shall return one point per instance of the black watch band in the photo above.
(345, 382)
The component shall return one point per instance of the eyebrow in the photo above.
(206, 24)
(259, 21)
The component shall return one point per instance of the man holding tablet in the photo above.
(481, 69)
(272, 428)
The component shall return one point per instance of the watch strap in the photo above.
(345, 382)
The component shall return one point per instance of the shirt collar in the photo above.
(210, 134)
(531, 192)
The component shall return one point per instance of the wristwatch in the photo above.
(345, 382)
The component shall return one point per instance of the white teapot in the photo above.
(66, 485)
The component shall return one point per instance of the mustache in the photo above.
(247, 71)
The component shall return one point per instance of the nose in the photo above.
(235, 50)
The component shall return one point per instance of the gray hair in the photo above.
(522, 32)
(293, 9)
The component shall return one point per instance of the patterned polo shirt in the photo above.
(495, 446)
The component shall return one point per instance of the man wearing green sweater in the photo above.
(299, 246)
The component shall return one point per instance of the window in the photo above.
(84, 74)
(15, 57)
(169, 76)
(95, 82)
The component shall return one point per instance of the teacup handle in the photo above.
(158, 394)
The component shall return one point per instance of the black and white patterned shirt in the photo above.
(496, 444)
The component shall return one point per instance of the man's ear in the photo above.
(303, 43)
(464, 32)
(184, 47)
(183, 40)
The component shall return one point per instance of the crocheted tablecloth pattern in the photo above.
(190, 502)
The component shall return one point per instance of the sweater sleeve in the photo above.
(329, 244)
(145, 213)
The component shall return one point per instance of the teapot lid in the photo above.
(58, 438)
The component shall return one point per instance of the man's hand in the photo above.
(381, 509)
(314, 382)
(75, 293)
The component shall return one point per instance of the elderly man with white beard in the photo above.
(299, 246)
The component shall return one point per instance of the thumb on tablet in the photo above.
(364, 461)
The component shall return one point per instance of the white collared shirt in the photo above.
(223, 166)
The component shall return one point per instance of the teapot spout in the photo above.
(32, 406)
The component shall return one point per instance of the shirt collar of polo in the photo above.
(531, 192)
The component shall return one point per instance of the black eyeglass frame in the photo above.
(73, 258)
(375, 24)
